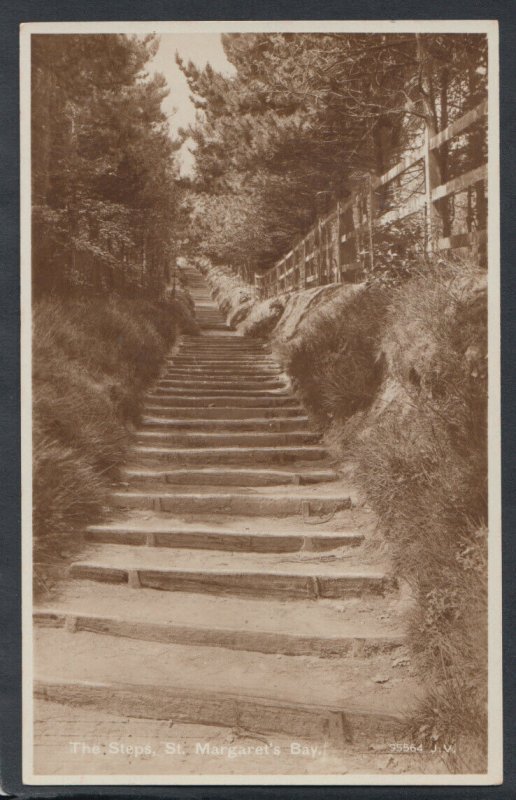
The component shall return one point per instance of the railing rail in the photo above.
(337, 246)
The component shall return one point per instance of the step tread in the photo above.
(282, 474)
(328, 619)
(221, 413)
(309, 448)
(271, 383)
(332, 491)
(202, 423)
(355, 521)
(229, 438)
(346, 563)
(305, 681)
(222, 401)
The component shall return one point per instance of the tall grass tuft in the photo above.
(333, 361)
(397, 376)
(263, 318)
(92, 359)
(424, 468)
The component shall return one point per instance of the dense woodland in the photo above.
(105, 197)
(307, 115)
(301, 119)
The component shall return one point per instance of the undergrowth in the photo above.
(334, 360)
(92, 359)
(263, 318)
(397, 376)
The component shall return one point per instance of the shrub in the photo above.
(263, 318)
(423, 464)
(333, 361)
(92, 358)
(396, 375)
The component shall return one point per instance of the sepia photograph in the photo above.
(260, 403)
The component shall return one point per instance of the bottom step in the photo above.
(238, 583)
(317, 699)
(252, 714)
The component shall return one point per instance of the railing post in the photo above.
(319, 252)
(302, 266)
(338, 276)
(370, 221)
(258, 282)
(357, 225)
(432, 179)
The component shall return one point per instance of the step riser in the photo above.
(223, 343)
(237, 341)
(247, 505)
(247, 456)
(255, 715)
(227, 439)
(244, 363)
(243, 543)
(222, 414)
(209, 373)
(225, 365)
(247, 367)
(256, 642)
(252, 394)
(259, 585)
(224, 402)
(197, 426)
(208, 384)
(214, 477)
(214, 355)
(223, 352)
(222, 362)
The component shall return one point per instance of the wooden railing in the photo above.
(340, 246)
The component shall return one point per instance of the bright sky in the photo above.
(200, 48)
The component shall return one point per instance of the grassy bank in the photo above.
(92, 360)
(397, 378)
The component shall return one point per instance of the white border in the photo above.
(494, 774)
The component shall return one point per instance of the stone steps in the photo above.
(287, 585)
(230, 585)
(327, 629)
(194, 537)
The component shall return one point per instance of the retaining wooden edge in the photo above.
(263, 585)
(267, 642)
(254, 714)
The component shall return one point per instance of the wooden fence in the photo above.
(340, 246)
